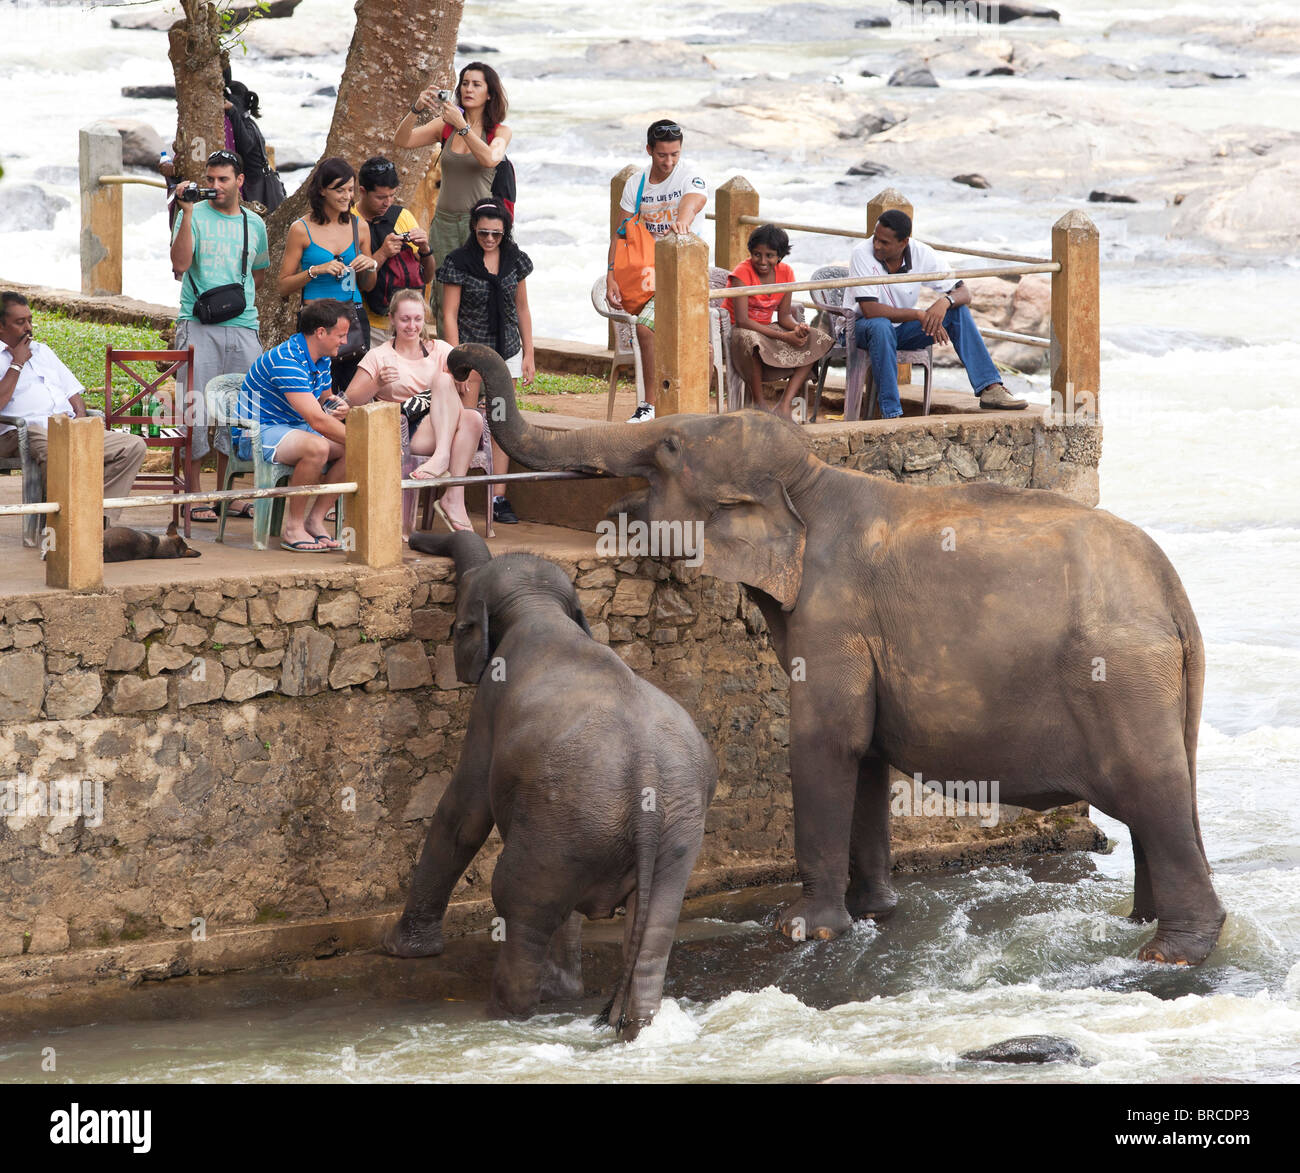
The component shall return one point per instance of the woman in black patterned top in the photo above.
(485, 300)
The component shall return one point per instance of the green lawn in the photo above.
(81, 346)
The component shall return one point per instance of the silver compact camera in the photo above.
(444, 95)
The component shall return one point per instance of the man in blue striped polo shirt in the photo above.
(283, 391)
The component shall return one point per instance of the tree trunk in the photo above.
(194, 46)
(398, 47)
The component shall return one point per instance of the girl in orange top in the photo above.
(766, 341)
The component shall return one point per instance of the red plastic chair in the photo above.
(145, 403)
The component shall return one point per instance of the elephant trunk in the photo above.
(467, 549)
(620, 449)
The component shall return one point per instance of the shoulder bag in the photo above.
(222, 302)
(634, 259)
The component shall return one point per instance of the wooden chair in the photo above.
(174, 434)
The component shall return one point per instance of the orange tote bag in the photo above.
(634, 260)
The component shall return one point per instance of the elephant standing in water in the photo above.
(598, 782)
(968, 632)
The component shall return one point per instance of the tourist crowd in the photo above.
(358, 264)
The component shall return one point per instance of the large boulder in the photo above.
(28, 207)
(239, 13)
(141, 144)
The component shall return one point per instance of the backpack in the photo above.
(503, 182)
(400, 271)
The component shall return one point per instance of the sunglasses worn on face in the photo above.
(489, 233)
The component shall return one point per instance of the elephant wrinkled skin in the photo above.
(598, 782)
(973, 632)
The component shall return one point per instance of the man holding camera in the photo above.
(397, 242)
(220, 250)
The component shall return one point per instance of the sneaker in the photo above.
(996, 397)
(502, 512)
(643, 413)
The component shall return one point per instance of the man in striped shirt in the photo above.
(287, 390)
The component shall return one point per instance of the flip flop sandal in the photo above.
(304, 547)
(454, 526)
(330, 543)
(246, 511)
(196, 510)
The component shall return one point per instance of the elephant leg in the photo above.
(1162, 821)
(1143, 906)
(824, 780)
(460, 826)
(517, 978)
(871, 896)
(562, 974)
(631, 1011)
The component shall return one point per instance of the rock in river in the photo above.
(1028, 1049)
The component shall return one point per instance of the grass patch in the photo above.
(535, 407)
(266, 913)
(81, 345)
(547, 384)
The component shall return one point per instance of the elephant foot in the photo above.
(414, 937)
(809, 920)
(631, 1027)
(1174, 945)
(870, 901)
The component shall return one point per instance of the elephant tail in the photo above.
(647, 852)
(1193, 689)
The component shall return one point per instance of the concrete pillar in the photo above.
(1076, 318)
(735, 198)
(74, 477)
(374, 460)
(682, 325)
(101, 210)
(881, 202)
(616, 216)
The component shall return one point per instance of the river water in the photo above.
(1200, 349)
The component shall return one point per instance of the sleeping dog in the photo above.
(124, 545)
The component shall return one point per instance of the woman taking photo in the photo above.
(472, 129)
(411, 370)
(485, 300)
(326, 254)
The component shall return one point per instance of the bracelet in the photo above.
(428, 252)
(311, 273)
(415, 110)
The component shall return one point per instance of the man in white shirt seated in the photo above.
(35, 385)
(672, 194)
(890, 320)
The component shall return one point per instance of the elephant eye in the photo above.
(671, 443)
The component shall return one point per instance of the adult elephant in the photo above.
(976, 632)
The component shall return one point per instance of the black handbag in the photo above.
(222, 302)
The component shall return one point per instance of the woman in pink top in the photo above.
(761, 347)
(410, 365)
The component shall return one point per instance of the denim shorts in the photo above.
(271, 435)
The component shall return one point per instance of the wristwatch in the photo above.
(463, 130)
(428, 252)
(951, 300)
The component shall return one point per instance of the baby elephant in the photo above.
(598, 782)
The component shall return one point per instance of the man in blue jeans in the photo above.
(891, 321)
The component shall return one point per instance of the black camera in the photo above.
(406, 236)
(192, 195)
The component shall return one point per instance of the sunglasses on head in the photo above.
(223, 157)
(666, 133)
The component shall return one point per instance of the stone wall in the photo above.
(263, 752)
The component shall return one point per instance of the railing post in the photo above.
(374, 460)
(74, 477)
(682, 325)
(616, 215)
(1076, 318)
(735, 198)
(100, 153)
(882, 202)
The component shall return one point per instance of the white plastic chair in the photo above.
(626, 351)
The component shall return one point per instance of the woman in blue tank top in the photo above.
(327, 254)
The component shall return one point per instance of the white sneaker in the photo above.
(644, 412)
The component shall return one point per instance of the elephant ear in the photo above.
(759, 540)
(472, 644)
